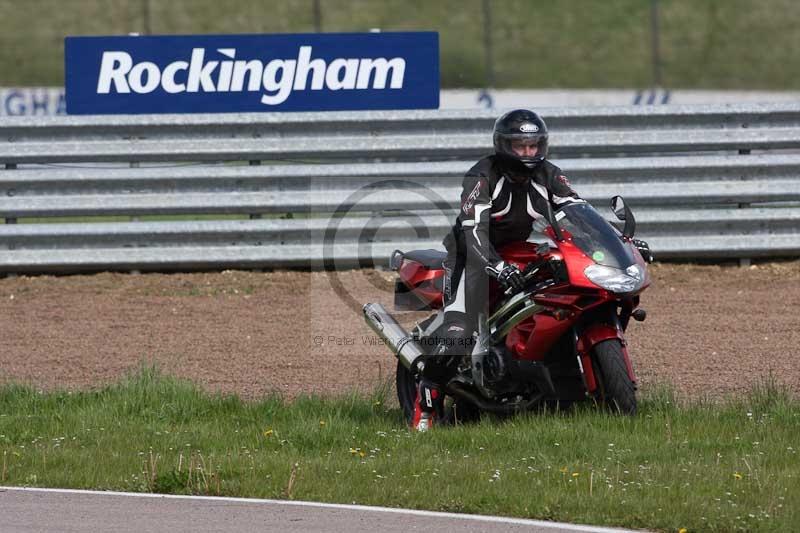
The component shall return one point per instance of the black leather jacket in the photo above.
(500, 202)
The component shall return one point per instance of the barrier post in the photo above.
(11, 166)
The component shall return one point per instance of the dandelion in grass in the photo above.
(321, 423)
(737, 475)
(268, 432)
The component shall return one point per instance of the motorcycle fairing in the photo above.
(420, 284)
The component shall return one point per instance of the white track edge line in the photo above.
(369, 508)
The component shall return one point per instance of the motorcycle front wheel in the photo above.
(616, 390)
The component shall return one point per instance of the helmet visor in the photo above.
(524, 147)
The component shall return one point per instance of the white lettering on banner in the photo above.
(334, 78)
(253, 69)
(168, 77)
(144, 71)
(226, 69)
(113, 68)
(283, 86)
(304, 64)
(277, 78)
(200, 74)
(381, 68)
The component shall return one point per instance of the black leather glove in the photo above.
(510, 276)
(644, 249)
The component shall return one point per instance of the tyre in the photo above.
(454, 412)
(406, 384)
(615, 388)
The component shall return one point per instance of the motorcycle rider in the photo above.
(503, 194)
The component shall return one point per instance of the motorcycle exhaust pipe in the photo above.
(403, 345)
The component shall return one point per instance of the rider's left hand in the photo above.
(509, 276)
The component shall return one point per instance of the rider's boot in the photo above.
(429, 401)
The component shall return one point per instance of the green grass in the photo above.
(725, 44)
(730, 466)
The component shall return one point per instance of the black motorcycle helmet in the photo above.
(520, 124)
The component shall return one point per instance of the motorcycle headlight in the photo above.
(615, 279)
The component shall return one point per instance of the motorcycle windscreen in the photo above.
(595, 237)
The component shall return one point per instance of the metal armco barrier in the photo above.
(345, 189)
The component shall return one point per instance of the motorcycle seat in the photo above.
(428, 258)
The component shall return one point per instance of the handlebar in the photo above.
(532, 269)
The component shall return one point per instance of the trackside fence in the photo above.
(180, 192)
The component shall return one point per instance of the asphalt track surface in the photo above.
(44, 510)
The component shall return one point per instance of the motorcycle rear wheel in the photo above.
(406, 384)
(616, 390)
(454, 412)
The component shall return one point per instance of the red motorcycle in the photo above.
(559, 340)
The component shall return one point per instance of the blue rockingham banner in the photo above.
(238, 73)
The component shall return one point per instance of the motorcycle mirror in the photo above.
(618, 207)
(623, 212)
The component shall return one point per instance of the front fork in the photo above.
(591, 335)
